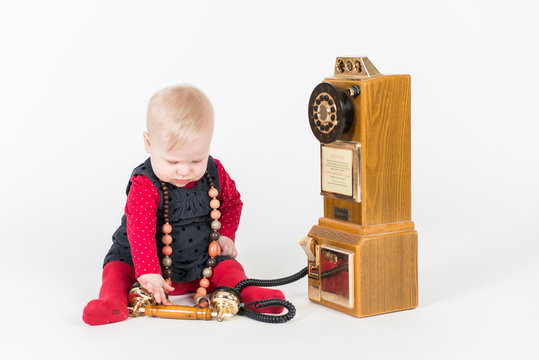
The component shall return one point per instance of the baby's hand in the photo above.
(227, 246)
(155, 284)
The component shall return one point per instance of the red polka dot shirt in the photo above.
(141, 210)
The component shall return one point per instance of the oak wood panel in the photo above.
(382, 127)
(388, 273)
(385, 269)
(366, 230)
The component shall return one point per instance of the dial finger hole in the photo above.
(323, 113)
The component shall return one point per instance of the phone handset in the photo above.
(225, 302)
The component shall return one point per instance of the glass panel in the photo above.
(336, 268)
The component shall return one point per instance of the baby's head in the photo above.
(179, 132)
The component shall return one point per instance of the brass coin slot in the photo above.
(358, 67)
(340, 66)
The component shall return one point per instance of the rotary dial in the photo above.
(324, 112)
(330, 112)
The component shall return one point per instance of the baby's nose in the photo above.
(182, 170)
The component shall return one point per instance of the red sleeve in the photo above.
(141, 210)
(231, 203)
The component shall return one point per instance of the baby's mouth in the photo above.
(181, 182)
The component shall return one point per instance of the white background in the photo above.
(75, 78)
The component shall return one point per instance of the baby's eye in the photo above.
(197, 161)
(172, 162)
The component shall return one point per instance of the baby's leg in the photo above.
(112, 303)
(230, 272)
(184, 288)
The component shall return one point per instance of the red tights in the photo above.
(118, 277)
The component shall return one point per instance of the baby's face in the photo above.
(181, 165)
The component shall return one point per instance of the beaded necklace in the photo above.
(213, 249)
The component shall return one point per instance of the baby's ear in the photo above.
(146, 141)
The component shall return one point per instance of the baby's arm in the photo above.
(140, 211)
(230, 209)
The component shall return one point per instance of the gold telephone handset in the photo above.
(225, 302)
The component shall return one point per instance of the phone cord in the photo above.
(269, 302)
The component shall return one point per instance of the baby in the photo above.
(180, 169)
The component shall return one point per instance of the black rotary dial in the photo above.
(330, 112)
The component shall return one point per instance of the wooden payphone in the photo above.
(362, 255)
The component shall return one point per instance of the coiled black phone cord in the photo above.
(273, 319)
(268, 283)
(269, 302)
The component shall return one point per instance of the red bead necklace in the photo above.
(213, 249)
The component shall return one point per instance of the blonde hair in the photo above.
(182, 111)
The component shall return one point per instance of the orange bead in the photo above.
(166, 239)
(214, 204)
(204, 283)
(204, 304)
(215, 214)
(201, 291)
(214, 249)
(167, 228)
(167, 250)
(169, 282)
(213, 192)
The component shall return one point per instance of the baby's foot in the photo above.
(99, 312)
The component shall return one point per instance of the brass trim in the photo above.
(355, 68)
(139, 298)
(313, 259)
(308, 245)
(314, 272)
(224, 304)
(313, 290)
(356, 170)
